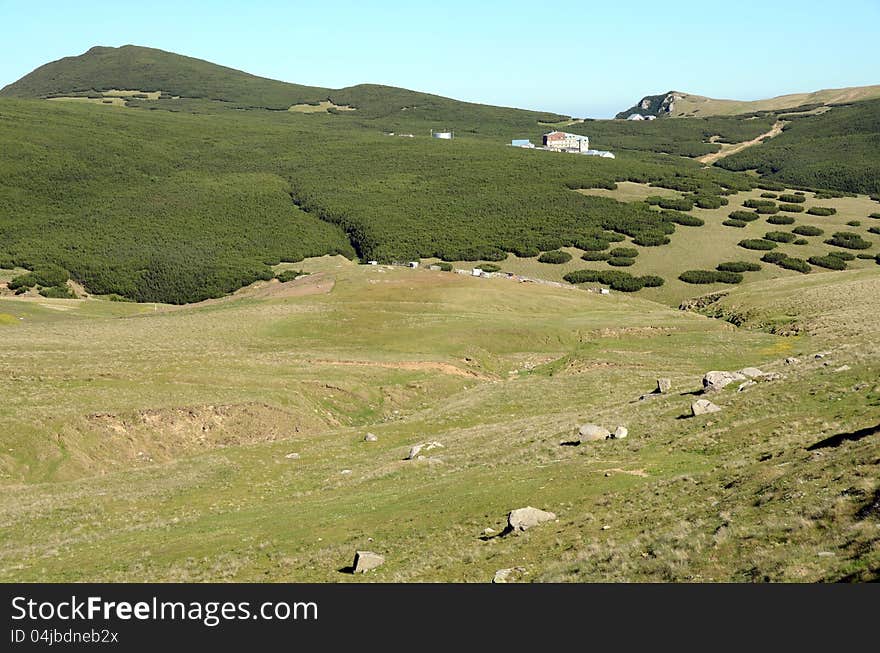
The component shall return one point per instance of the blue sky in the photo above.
(584, 59)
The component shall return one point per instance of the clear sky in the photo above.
(586, 59)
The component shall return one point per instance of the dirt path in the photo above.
(727, 150)
(443, 368)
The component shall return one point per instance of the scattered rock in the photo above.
(620, 433)
(590, 432)
(345, 471)
(843, 368)
(751, 372)
(292, 456)
(821, 354)
(523, 519)
(770, 376)
(664, 385)
(748, 384)
(509, 575)
(606, 527)
(370, 437)
(416, 449)
(791, 360)
(703, 407)
(364, 561)
(713, 381)
(826, 554)
(489, 531)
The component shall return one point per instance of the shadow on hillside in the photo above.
(840, 438)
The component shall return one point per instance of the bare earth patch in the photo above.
(321, 107)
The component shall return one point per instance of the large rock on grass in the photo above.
(590, 432)
(715, 380)
(364, 561)
(523, 519)
(703, 407)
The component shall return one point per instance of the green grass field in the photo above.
(149, 442)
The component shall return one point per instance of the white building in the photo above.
(566, 142)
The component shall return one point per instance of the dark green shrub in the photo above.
(744, 216)
(625, 252)
(757, 244)
(758, 204)
(710, 201)
(780, 236)
(843, 256)
(710, 276)
(684, 219)
(677, 203)
(829, 262)
(289, 275)
(595, 256)
(555, 257)
(801, 241)
(444, 266)
(792, 199)
(626, 284)
(57, 292)
(738, 266)
(876, 216)
(652, 281)
(734, 223)
(653, 200)
(807, 230)
(525, 251)
(848, 240)
(621, 261)
(771, 196)
(582, 276)
(774, 257)
(767, 210)
(780, 219)
(821, 210)
(874, 230)
(651, 240)
(791, 208)
(865, 257)
(854, 223)
(797, 264)
(827, 195)
(488, 267)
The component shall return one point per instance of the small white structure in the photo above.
(373, 262)
(445, 135)
(605, 154)
(604, 291)
(635, 116)
(476, 272)
(413, 264)
(522, 142)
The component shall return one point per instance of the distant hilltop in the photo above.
(675, 104)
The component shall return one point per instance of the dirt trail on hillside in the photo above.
(709, 159)
(443, 368)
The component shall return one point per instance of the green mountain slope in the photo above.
(138, 68)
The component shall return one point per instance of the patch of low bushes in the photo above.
(621, 261)
(791, 208)
(625, 252)
(792, 199)
(829, 262)
(615, 279)
(745, 216)
(710, 201)
(57, 292)
(780, 236)
(821, 210)
(854, 223)
(874, 230)
(843, 256)
(595, 256)
(807, 230)
(848, 240)
(771, 196)
(758, 244)
(651, 240)
(738, 266)
(710, 276)
(593, 245)
(684, 219)
(556, 257)
(489, 267)
(780, 219)
(734, 223)
(788, 262)
(290, 275)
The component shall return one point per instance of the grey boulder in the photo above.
(523, 519)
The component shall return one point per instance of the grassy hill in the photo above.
(158, 447)
(675, 104)
(182, 79)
